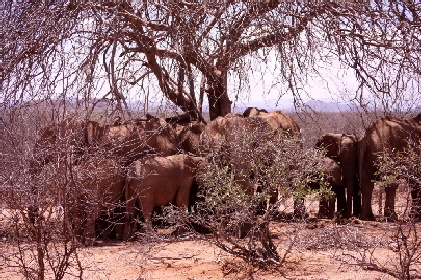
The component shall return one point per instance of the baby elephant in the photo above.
(158, 181)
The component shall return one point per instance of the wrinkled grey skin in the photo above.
(98, 191)
(343, 148)
(141, 137)
(334, 177)
(158, 181)
(384, 135)
(189, 138)
(276, 119)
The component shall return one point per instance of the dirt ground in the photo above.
(320, 250)
(315, 255)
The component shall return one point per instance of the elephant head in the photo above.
(343, 148)
(189, 137)
(253, 112)
(67, 137)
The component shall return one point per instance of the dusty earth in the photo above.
(319, 253)
(321, 249)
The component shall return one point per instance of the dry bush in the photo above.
(243, 184)
(41, 188)
(390, 248)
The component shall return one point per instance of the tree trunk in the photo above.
(219, 103)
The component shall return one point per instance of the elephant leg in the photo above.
(356, 199)
(104, 224)
(89, 230)
(348, 202)
(367, 188)
(331, 203)
(147, 216)
(182, 201)
(33, 214)
(119, 224)
(183, 195)
(342, 201)
(416, 203)
(323, 207)
(129, 217)
(77, 218)
(389, 207)
(299, 207)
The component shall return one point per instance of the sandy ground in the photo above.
(321, 250)
(312, 257)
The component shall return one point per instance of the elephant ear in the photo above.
(339, 144)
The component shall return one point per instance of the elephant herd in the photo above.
(118, 168)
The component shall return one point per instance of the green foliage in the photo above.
(396, 165)
(246, 178)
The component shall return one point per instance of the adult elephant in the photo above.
(60, 139)
(276, 119)
(69, 141)
(385, 135)
(235, 137)
(231, 139)
(343, 148)
(94, 199)
(158, 181)
(135, 139)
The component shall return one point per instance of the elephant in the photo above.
(95, 199)
(343, 148)
(230, 139)
(189, 138)
(158, 181)
(234, 137)
(384, 135)
(129, 141)
(78, 140)
(135, 139)
(276, 119)
(57, 139)
(333, 173)
(60, 142)
(310, 175)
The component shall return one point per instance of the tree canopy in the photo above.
(104, 50)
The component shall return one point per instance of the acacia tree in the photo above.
(105, 50)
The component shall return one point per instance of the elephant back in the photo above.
(59, 140)
(135, 139)
(392, 133)
(387, 134)
(276, 119)
(280, 121)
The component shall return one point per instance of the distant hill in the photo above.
(322, 106)
(287, 105)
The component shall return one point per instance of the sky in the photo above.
(329, 86)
